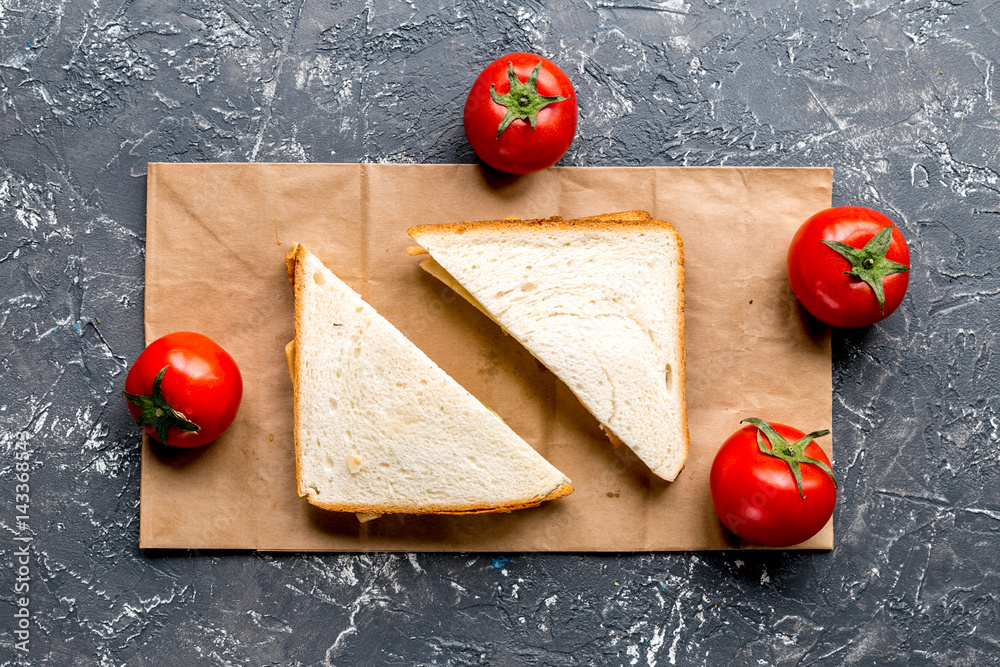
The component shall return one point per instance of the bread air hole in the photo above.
(319, 278)
(527, 287)
(670, 379)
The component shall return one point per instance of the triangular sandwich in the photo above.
(599, 301)
(380, 428)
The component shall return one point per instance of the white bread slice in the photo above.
(380, 428)
(599, 301)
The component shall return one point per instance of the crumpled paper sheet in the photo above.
(216, 239)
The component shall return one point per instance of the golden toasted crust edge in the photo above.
(293, 260)
(608, 221)
(683, 369)
(561, 491)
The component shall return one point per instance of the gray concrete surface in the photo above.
(902, 99)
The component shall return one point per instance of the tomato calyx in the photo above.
(523, 101)
(869, 263)
(156, 412)
(790, 453)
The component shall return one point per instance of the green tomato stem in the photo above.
(156, 412)
(523, 101)
(791, 453)
(869, 263)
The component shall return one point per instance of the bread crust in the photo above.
(606, 221)
(561, 491)
(610, 222)
(293, 260)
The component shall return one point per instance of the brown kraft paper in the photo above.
(216, 239)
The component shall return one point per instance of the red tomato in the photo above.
(858, 289)
(526, 130)
(757, 496)
(184, 390)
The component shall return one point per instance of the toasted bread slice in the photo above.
(380, 428)
(599, 301)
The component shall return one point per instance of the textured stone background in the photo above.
(901, 98)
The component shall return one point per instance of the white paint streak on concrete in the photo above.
(678, 630)
(655, 644)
